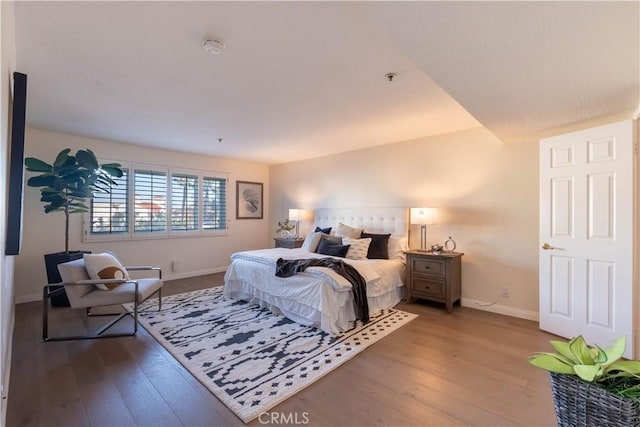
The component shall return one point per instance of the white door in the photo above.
(586, 234)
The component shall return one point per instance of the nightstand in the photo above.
(288, 243)
(434, 277)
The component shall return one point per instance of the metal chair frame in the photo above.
(48, 292)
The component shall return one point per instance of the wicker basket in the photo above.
(580, 403)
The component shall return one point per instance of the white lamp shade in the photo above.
(424, 215)
(297, 214)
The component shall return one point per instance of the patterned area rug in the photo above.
(250, 358)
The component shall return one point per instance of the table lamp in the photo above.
(297, 215)
(423, 217)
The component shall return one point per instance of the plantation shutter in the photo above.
(184, 202)
(109, 212)
(214, 203)
(150, 194)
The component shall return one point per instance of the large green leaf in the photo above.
(580, 349)
(72, 174)
(587, 372)
(87, 159)
(78, 204)
(52, 208)
(41, 181)
(52, 198)
(562, 347)
(598, 355)
(113, 169)
(37, 165)
(69, 162)
(615, 353)
(550, 362)
(61, 157)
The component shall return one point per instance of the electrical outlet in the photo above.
(175, 265)
(504, 292)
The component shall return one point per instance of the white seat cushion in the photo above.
(121, 294)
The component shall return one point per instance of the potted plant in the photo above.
(592, 385)
(284, 228)
(65, 187)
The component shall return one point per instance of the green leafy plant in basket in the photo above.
(602, 367)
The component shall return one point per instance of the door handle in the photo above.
(547, 246)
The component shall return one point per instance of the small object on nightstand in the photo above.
(435, 277)
(288, 243)
(450, 245)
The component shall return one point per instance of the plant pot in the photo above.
(287, 234)
(51, 262)
(580, 403)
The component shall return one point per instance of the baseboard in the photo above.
(21, 299)
(4, 387)
(166, 276)
(500, 309)
(172, 275)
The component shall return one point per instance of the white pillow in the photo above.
(344, 230)
(311, 242)
(104, 266)
(358, 248)
(397, 247)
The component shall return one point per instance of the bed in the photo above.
(319, 296)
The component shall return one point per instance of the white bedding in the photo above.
(318, 296)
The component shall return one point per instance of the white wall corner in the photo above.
(500, 309)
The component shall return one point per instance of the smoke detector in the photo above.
(212, 46)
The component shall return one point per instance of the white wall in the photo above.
(486, 192)
(6, 262)
(44, 233)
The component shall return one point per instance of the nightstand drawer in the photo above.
(430, 288)
(432, 267)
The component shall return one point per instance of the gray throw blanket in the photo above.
(289, 267)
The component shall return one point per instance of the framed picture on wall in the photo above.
(249, 202)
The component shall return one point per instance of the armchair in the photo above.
(83, 292)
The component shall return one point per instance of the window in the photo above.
(153, 202)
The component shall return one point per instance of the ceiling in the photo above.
(305, 79)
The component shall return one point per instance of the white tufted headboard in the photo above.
(374, 220)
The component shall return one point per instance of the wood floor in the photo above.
(465, 368)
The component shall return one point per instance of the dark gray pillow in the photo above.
(379, 247)
(327, 248)
(326, 230)
(334, 240)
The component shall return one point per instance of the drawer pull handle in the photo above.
(427, 267)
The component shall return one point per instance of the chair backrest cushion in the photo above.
(74, 271)
(104, 266)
